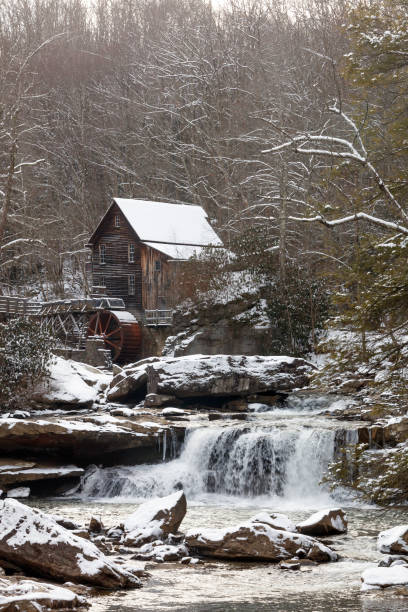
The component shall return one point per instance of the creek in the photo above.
(230, 470)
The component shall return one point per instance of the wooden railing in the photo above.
(18, 306)
(158, 317)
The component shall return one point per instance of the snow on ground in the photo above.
(234, 286)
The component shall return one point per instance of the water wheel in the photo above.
(120, 332)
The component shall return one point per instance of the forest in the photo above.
(285, 120)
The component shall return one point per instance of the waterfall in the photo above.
(244, 461)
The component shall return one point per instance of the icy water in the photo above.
(250, 587)
(230, 471)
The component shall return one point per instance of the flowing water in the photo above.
(230, 471)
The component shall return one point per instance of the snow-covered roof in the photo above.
(161, 225)
(176, 251)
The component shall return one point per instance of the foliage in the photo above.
(25, 355)
(296, 305)
(378, 62)
(297, 301)
(297, 308)
(200, 274)
(379, 476)
(372, 311)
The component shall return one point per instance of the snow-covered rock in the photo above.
(82, 438)
(393, 540)
(233, 318)
(324, 522)
(383, 577)
(71, 383)
(33, 540)
(389, 560)
(173, 412)
(159, 552)
(17, 471)
(27, 595)
(155, 519)
(256, 541)
(275, 520)
(130, 381)
(226, 375)
(210, 375)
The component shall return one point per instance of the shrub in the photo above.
(25, 355)
(296, 306)
(378, 475)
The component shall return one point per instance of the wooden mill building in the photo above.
(137, 245)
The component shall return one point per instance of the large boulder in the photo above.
(71, 383)
(226, 375)
(394, 540)
(256, 541)
(84, 439)
(155, 519)
(28, 595)
(130, 381)
(34, 541)
(324, 522)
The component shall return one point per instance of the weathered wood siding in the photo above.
(157, 286)
(117, 269)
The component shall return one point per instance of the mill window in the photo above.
(131, 253)
(131, 284)
(102, 254)
(117, 220)
(157, 266)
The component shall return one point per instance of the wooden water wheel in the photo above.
(120, 332)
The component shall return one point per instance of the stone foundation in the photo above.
(94, 354)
